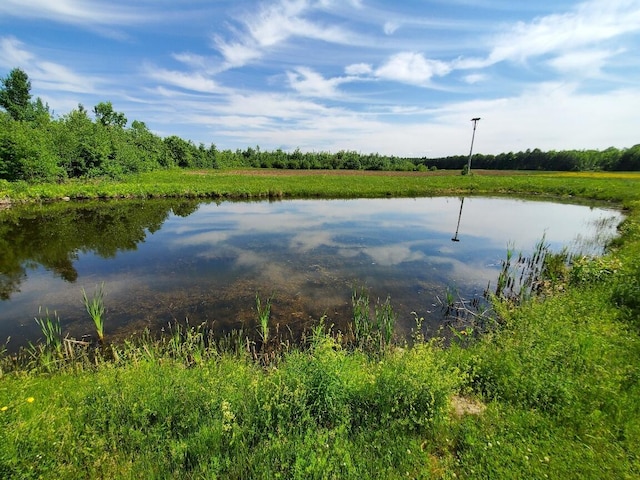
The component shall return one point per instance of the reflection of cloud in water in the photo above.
(523, 223)
(205, 238)
(249, 258)
(349, 252)
(394, 254)
(305, 241)
(466, 272)
(312, 221)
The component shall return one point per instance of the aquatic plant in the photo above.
(264, 314)
(385, 321)
(361, 324)
(371, 332)
(51, 330)
(95, 308)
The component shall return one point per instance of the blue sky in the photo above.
(393, 77)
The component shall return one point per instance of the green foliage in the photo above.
(588, 269)
(15, 94)
(26, 153)
(106, 116)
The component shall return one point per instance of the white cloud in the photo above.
(474, 78)
(588, 62)
(358, 69)
(310, 83)
(237, 54)
(411, 67)
(390, 27)
(189, 81)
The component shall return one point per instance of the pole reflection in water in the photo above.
(455, 237)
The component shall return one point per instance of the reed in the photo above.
(264, 314)
(361, 316)
(51, 330)
(385, 322)
(95, 308)
(372, 333)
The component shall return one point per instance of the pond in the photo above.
(173, 260)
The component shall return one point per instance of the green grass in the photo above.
(288, 184)
(558, 376)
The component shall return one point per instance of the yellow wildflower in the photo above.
(30, 400)
(4, 409)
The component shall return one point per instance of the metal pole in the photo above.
(475, 122)
(455, 237)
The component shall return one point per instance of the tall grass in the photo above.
(371, 332)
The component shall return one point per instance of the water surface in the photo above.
(163, 261)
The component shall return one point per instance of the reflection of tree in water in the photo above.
(53, 235)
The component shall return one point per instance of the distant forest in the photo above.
(35, 147)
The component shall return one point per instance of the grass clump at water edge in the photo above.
(95, 309)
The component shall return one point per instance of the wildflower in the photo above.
(228, 417)
(4, 409)
(30, 400)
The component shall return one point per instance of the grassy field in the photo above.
(330, 184)
(552, 390)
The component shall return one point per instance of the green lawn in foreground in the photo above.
(555, 388)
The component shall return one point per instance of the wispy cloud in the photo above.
(586, 62)
(187, 80)
(237, 53)
(74, 11)
(274, 24)
(13, 53)
(358, 69)
(49, 75)
(589, 24)
(390, 27)
(310, 83)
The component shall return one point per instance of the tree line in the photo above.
(35, 146)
